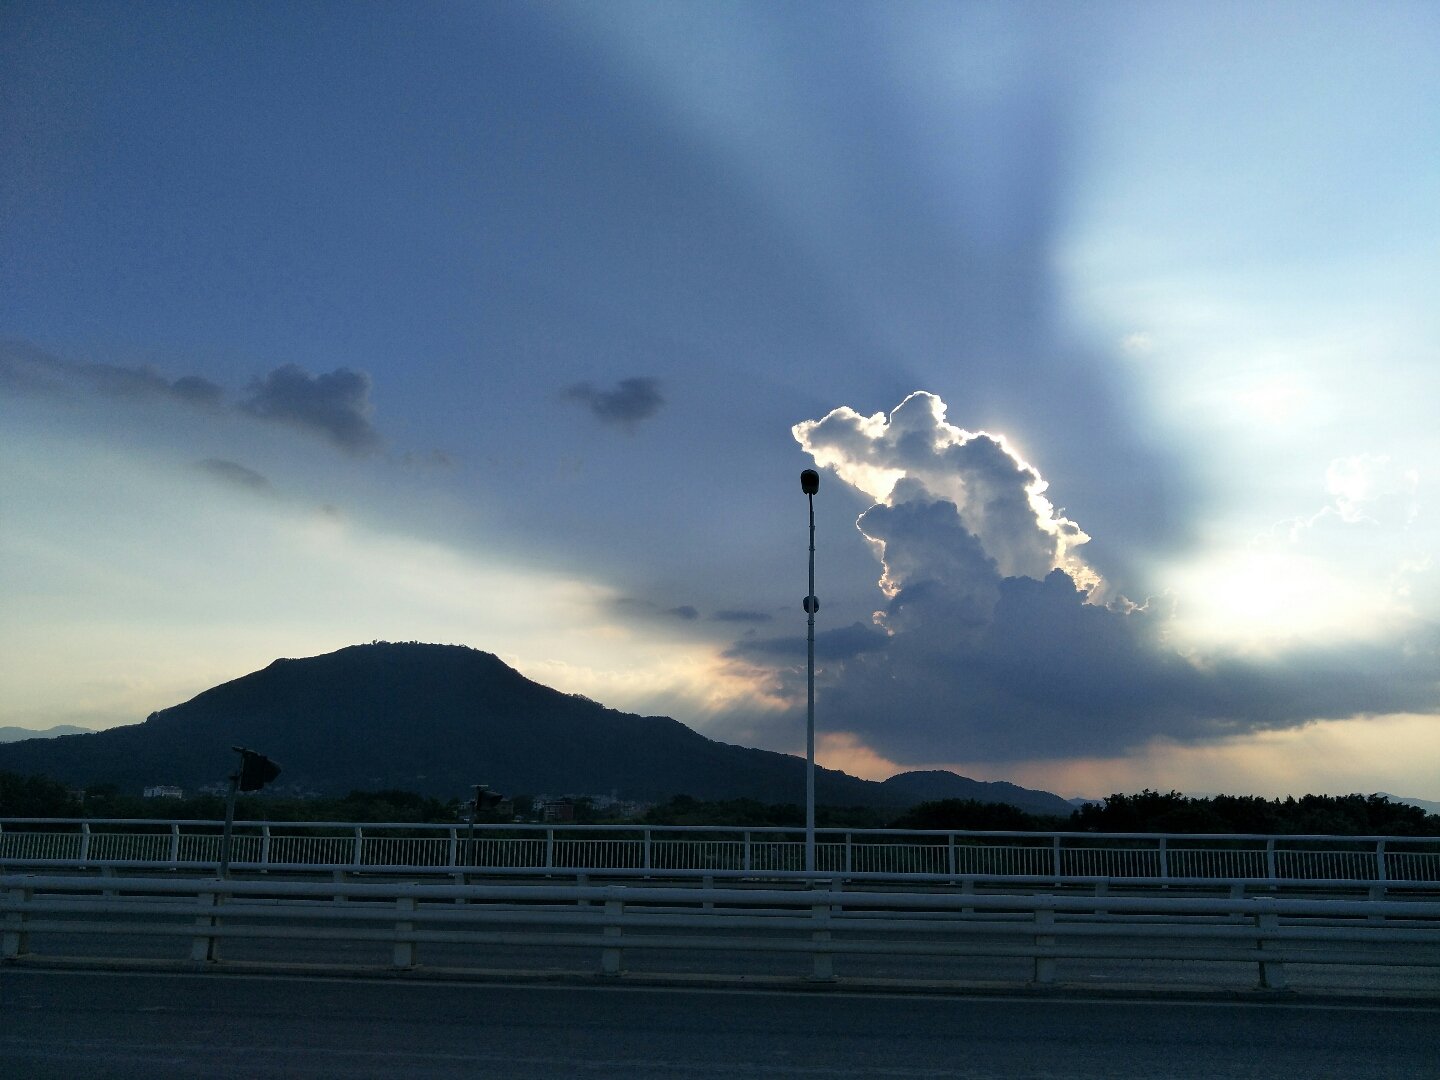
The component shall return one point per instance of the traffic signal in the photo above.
(256, 770)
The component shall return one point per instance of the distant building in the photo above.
(164, 791)
(561, 810)
(567, 808)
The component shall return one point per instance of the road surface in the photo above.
(121, 1025)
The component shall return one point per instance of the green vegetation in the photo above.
(35, 796)
(38, 796)
(1334, 815)
(1148, 811)
(961, 814)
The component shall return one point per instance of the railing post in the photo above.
(16, 940)
(358, 849)
(745, 858)
(1164, 858)
(84, 841)
(204, 948)
(1380, 871)
(950, 854)
(454, 846)
(1270, 858)
(1272, 972)
(1056, 848)
(174, 844)
(265, 845)
(610, 954)
(1376, 892)
(1044, 938)
(647, 849)
(822, 965)
(404, 952)
(849, 854)
(549, 849)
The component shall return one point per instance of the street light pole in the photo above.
(810, 484)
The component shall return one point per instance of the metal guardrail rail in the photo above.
(896, 854)
(607, 921)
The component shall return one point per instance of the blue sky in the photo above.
(1111, 327)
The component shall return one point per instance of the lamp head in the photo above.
(809, 481)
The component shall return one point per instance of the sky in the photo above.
(1109, 327)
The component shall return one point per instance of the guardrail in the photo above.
(606, 921)
(38, 842)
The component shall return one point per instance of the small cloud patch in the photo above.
(335, 406)
(229, 472)
(631, 401)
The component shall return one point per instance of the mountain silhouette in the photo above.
(15, 734)
(437, 719)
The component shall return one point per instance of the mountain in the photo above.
(438, 718)
(1424, 804)
(15, 734)
(907, 789)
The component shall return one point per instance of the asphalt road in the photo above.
(107, 1026)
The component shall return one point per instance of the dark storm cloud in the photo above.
(631, 401)
(335, 406)
(983, 662)
(230, 472)
(26, 369)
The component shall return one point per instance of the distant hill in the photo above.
(907, 789)
(436, 719)
(15, 734)
(1424, 804)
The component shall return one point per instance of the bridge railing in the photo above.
(894, 853)
(39, 914)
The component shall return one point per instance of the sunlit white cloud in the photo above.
(999, 497)
(986, 641)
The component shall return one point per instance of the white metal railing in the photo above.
(608, 920)
(702, 849)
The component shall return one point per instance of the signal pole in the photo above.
(810, 484)
(255, 771)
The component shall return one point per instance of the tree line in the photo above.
(1148, 811)
(39, 796)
